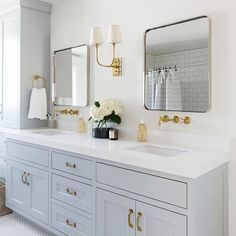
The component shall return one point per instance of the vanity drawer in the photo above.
(162, 189)
(73, 165)
(70, 223)
(28, 153)
(72, 192)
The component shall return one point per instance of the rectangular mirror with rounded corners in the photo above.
(71, 76)
(177, 66)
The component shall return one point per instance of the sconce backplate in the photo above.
(117, 67)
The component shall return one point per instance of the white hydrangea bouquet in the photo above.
(105, 111)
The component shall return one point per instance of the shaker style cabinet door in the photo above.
(16, 187)
(10, 70)
(115, 215)
(37, 194)
(153, 221)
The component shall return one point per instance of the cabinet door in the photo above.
(10, 67)
(16, 187)
(37, 194)
(153, 221)
(115, 215)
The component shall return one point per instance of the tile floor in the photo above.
(15, 225)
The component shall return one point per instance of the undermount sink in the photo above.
(157, 150)
(48, 132)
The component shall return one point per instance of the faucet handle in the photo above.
(164, 118)
(186, 120)
(176, 119)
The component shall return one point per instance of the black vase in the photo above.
(100, 132)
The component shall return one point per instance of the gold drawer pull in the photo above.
(70, 224)
(70, 165)
(28, 174)
(131, 211)
(140, 229)
(23, 177)
(71, 192)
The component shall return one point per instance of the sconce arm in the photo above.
(113, 59)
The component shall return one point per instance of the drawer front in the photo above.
(71, 223)
(73, 165)
(72, 192)
(28, 153)
(165, 190)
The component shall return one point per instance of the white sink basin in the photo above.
(157, 150)
(48, 132)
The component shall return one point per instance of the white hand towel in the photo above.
(160, 92)
(38, 104)
(173, 93)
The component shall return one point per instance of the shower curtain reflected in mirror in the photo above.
(165, 89)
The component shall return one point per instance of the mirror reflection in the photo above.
(177, 66)
(71, 76)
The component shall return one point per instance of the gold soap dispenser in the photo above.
(142, 131)
(81, 125)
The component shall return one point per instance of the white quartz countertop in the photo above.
(190, 164)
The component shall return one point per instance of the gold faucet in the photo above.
(176, 119)
(68, 112)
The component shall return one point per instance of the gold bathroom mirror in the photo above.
(177, 66)
(71, 76)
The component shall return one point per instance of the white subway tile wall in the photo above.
(193, 78)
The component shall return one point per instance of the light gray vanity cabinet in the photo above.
(118, 215)
(27, 190)
(74, 194)
(25, 50)
(145, 204)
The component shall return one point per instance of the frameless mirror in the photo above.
(71, 76)
(177, 66)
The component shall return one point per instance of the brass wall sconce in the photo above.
(114, 37)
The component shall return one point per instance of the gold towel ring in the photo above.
(37, 77)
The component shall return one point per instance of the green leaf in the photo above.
(116, 119)
(97, 104)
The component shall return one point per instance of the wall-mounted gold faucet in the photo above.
(68, 112)
(176, 119)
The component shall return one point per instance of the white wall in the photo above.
(71, 23)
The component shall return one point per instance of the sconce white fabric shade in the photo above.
(114, 34)
(96, 36)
